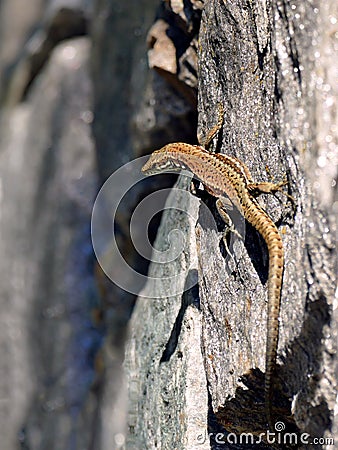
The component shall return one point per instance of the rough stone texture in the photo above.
(40, 404)
(49, 338)
(50, 181)
(55, 393)
(263, 63)
(118, 32)
(60, 20)
(167, 109)
(167, 351)
(14, 28)
(173, 46)
(15, 377)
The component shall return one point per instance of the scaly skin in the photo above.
(223, 176)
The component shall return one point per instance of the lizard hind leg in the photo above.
(266, 187)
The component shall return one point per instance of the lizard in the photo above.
(226, 177)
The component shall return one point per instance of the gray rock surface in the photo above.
(50, 181)
(72, 112)
(165, 340)
(60, 385)
(263, 64)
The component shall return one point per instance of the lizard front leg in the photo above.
(223, 205)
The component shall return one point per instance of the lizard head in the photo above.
(170, 158)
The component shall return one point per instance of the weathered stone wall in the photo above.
(64, 67)
(77, 102)
(270, 66)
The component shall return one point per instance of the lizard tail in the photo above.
(276, 265)
(265, 226)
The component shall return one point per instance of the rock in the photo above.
(49, 183)
(259, 63)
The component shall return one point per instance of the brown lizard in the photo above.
(225, 176)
